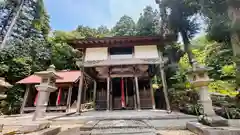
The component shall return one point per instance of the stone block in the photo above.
(1, 127)
(234, 123)
(195, 127)
(72, 131)
(213, 121)
(48, 131)
(9, 133)
(200, 129)
(32, 127)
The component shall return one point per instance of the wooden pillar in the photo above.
(25, 99)
(84, 95)
(108, 93)
(69, 97)
(111, 97)
(94, 91)
(164, 82)
(134, 95)
(79, 98)
(152, 94)
(137, 92)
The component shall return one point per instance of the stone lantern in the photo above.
(198, 78)
(47, 85)
(3, 88)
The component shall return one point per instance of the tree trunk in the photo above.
(233, 13)
(6, 22)
(186, 43)
(9, 31)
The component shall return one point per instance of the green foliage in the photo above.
(217, 56)
(24, 58)
(12, 104)
(223, 87)
(200, 42)
(218, 23)
(228, 71)
(148, 23)
(125, 27)
(199, 56)
(63, 56)
(185, 101)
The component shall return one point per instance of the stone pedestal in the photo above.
(46, 86)
(205, 101)
(43, 97)
(198, 78)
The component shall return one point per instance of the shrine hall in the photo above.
(115, 73)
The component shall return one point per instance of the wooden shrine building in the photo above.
(60, 100)
(122, 68)
(116, 73)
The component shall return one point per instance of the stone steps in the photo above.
(110, 131)
(112, 127)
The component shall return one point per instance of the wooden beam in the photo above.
(25, 99)
(49, 108)
(124, 75)
(137, 92)
(119, 41)
(69, 97)
(119, 62)
(88, 76)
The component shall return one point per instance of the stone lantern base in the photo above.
(213, 121)
(2, 96)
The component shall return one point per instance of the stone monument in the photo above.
(198, 77)
(46, 86)
(3, 88)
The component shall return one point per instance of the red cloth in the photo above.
(59, 97)
(123, 95)
(36, 98)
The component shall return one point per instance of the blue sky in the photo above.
(68, 14)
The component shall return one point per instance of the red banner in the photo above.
(36, 98)
(59, 97)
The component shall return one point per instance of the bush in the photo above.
(185, 101)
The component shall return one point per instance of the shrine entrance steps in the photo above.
(144, 122)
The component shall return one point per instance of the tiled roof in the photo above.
(66, 77)
(118, 41)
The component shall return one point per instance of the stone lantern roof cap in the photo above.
(4, 84)
(50, 72)
(197, 68)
